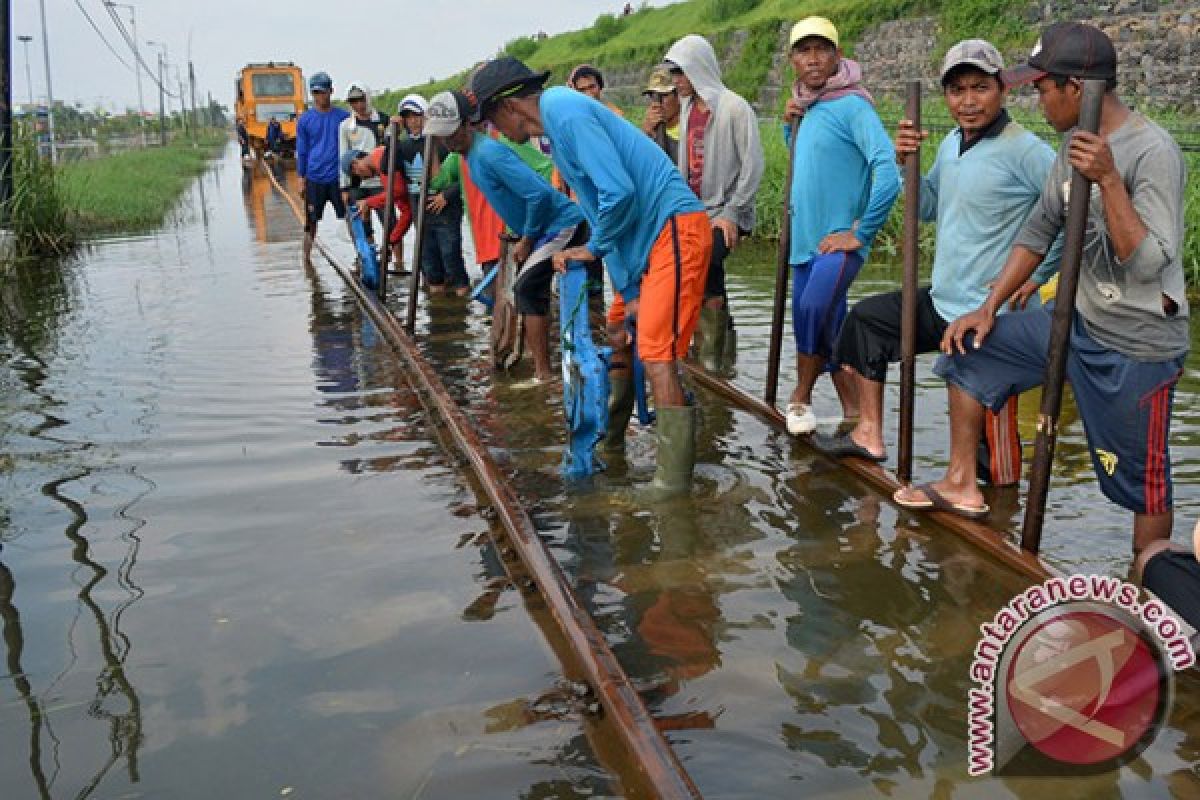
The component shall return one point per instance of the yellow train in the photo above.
(274, 90)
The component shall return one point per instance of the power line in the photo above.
(99, 33)
(129, 41)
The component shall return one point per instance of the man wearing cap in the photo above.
(544, 219)
(361, 131)
(647, 225)
(844, 181)
(987, 176)
(1129, 335)
(363, 166)
(722, 159)
(662, 114)
(441, 251)
(317, 157)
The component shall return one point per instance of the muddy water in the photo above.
(236, 560)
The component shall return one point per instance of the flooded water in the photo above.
(237, 561)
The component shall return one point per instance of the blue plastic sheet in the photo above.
(585, 377)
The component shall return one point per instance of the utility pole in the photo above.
(25, 40)
(192, 85)
(49, 85)
(162, 100)
(183, 114)
(137, 64)
(6, 138)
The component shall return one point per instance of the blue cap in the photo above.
(349, 157)
(320, 81)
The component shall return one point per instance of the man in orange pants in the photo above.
(646, 224)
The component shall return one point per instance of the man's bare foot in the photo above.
(939, 496)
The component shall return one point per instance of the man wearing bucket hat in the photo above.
(987, 176)
(648, 227)
(544, 219)
(844, 181)
(1129, 336)
(317, 157)
(662, 114)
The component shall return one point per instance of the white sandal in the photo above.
(800, 419)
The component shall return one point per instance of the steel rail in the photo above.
(990, 540)
(657, 770)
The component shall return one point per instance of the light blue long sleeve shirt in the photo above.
(844, 173)
(317, 144)
(626, 186)
(980, 199)
(528, 204)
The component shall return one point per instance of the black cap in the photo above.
(1073, 49)
(503, 76)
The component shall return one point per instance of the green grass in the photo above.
(37, 212)
(134, 190)
(644, 36)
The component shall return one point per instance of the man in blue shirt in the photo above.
(317, 157)
(844, 181)
(647, 226)
(546, 221)
(986, 178)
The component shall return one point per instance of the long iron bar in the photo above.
(658, 769)
(1060, 331)
(782, 268)
(908, 293)
(414, 286)
(389, 207)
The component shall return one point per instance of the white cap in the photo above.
(414, 103)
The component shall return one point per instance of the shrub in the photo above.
(37, 212)
(521, 48)
(721, 10)
(606, 27)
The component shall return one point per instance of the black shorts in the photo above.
(1175, 578)
(316, 195)
(714, 284)
(870, 336)
(531, 290)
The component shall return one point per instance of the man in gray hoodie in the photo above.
(721, 158)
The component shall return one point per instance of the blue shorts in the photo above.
(819, 289)
(1125, 404)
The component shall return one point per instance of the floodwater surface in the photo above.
(236, 559)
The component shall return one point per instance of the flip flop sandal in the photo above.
(935, 501)
(842, 446)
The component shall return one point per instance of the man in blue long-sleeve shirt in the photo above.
(844, 181)
(317, 157)
(647, 225)
(546, 221)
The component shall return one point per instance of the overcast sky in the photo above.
(384, 43)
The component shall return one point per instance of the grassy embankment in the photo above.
(134, 190)
(643, 37)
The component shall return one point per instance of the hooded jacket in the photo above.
(364, 135)
(733, 156)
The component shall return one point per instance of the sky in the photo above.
(382, 43)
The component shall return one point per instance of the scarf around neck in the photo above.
(845, 82)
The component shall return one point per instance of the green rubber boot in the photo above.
(620, 409)
(729, 352)
(711, 330)
(675, 429)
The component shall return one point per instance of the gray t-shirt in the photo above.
(1121, 302)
